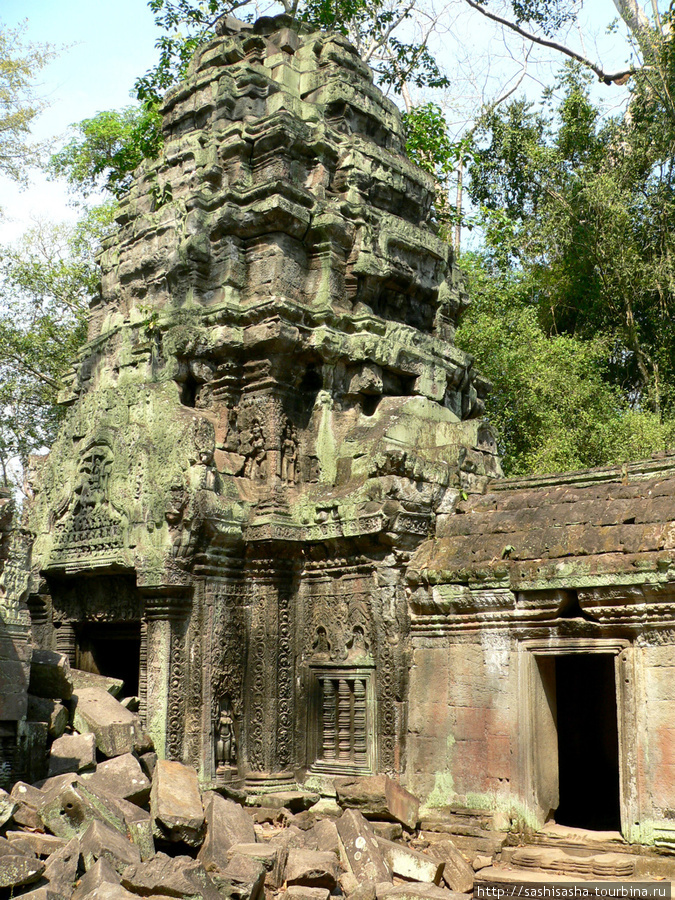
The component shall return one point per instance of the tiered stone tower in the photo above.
(267, 418)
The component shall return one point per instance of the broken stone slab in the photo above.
(72, 753)
(100, 840)
(302, 892)
(17, 869)
(313, 868)
(50, 675)
(289, 838)
(411, 864)
(67, 811)
(122, 777)
(63, 867)
(176, 804)
(323, 836)
(174, 876)
(227, 824)
(415, 892)
(360, 848)
(133, 704)
(81, 679)
(35, 842)
(457, 874)
(113, 726)
(378, 797)
(242, 879)
(8, 806)
(265, 815)
(102, 872)
(54, 713)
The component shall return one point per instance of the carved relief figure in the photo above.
(256, 454)
(289, 454)
(225, 738)
(91, 489)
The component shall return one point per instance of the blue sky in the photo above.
(106, 46)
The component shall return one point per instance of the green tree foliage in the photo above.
(46, 282)
(554, 402)
(20, 63)
(579, 217)
(107, 149)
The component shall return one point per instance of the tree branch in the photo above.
(619, 77)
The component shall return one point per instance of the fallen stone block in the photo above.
(242, 879)
(457, 874)
(264, 815)
(313, 868)
(411, 864)
(44, 893)
(415, 892)
(102, 872)
(27, 799)
(295, 801)
(227, 824)
(390, 831)
(35, 842)
(67, 811)
(107, 891)
(360, 848)
(122, 777)
(272, 858)
(50, 675)
(63, 868)
(100, 840)
(8, 806)
(81, 679)
(54, 713)
(302, 892)
(365, 891)
(264, 853)
(378, 797)
(481, 862)
(17, 869)
(139, 827)
(72, 753)
(113, 726)
(148, 762)
(174, 876)
(323, 836)
(289, 838)
(176, 804)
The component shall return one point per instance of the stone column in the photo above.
(269, 729)
(165, 622)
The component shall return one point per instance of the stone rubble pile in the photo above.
(111, 821)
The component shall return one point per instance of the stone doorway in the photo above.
(580, 743)
(112, 649)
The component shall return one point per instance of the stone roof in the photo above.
(613, 524)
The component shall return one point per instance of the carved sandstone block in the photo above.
(360, 848)
(72, 753)
(227, 824)
(50, 675)
(176, 804)
(113, 726)
(457, 874)
(122, 777)
(379, 797)
(411, 864)
(314, 868)
(100, 840)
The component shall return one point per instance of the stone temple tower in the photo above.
(268, 419)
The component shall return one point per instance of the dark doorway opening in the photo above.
(113, 650)
(588, 741)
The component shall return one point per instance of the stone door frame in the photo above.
(537, 730)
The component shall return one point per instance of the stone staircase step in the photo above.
(602, 865)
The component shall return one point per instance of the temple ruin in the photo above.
(274, 509)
